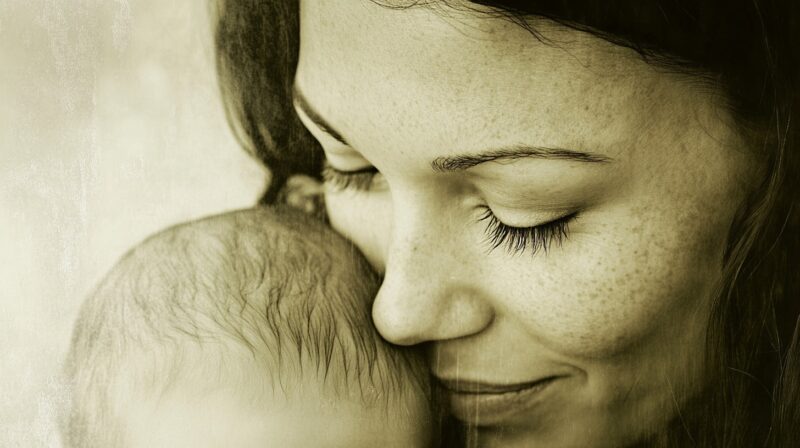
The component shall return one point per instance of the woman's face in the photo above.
(550, 217)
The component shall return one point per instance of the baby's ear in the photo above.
(303, 193)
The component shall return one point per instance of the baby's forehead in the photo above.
(306, 418)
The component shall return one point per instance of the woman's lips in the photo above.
(488, 404)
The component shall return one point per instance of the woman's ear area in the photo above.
(303, 193)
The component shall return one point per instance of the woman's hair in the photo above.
(746, 50)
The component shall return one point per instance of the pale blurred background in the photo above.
(111, 128)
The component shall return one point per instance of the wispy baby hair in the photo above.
(249, 299)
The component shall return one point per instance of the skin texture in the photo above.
(216, 417)
(618, 310)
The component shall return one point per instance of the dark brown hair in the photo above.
(747, 50)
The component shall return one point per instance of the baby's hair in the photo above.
(269, 289)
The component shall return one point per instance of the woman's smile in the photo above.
(489, 404)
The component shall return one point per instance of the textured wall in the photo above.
(110, 128)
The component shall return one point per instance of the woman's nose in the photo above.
(411, 315)
(428, 293)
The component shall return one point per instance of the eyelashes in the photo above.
(516, 240)
(519, 239)
(360, 180)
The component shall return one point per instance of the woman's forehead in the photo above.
(467, 81)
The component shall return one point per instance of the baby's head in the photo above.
(248, 329)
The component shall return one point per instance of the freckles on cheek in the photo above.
(614, 296)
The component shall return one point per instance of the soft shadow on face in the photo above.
(550, 218)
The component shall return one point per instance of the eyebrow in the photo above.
(302, 103)
(464, 161)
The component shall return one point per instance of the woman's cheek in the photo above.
(363, 219)
(600, 297)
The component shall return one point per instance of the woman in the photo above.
(584, 214)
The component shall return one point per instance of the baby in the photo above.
(248, 329)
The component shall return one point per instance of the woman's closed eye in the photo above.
(515, 239)
(520, 239)
(358, 180)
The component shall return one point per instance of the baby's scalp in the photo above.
(253, 300)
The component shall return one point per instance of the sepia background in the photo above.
(111, 128)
